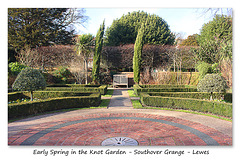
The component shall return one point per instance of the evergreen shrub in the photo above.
(15, 68)
(195, 95)
(51, 104)
(162, 88)
(203, 69)
(29, 80)
(78, 88)
(212, 83)
(62, 74)
(218, 108)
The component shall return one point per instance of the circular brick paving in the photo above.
(146, 129)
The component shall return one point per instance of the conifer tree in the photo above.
(37, 27)
(137, 57)
(125, 29)
(97, 54)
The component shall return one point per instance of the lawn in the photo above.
(131, 93)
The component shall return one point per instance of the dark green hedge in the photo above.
(54, 94)
(29, 108)
(196, 95)
(45, 94)
(162, 88)
(78, 87)
(13, 96)
(73, 85)
(218, 108)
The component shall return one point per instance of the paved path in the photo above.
(146, 126)
(120, 99)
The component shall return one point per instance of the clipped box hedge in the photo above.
(162, 88)
(51, 104)
(13, 96)
(218, 108)
(196, 95)
(78, 87)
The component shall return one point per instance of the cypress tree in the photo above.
(97, 54)
(137, 57)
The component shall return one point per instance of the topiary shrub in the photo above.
(212, 83)
(29, 80)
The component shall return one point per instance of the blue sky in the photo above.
(186, 21)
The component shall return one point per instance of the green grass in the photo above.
(109, 93)
(136, 104)
(131, 93)
(104, 103)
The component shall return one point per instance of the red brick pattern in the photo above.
(147, 133)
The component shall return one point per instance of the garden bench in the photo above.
(120, 80)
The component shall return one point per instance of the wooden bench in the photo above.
(120, 80)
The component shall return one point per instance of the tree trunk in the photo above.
(174, 65)
(31, 95)
(86, 71)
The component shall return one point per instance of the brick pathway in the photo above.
(91, 127)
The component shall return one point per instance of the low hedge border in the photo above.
(162, 88)
(196, 95)
(78, 87)
(73, 85)
(13, 96)
(45, 94)
(51, 104)
(218, 108)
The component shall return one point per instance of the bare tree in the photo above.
(76, 67)
(28, 56)
(212, 12)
